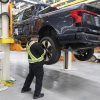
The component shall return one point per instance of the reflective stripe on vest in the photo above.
(33, 59)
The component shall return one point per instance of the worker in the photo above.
(36, 61)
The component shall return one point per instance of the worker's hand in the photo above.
(42, 46)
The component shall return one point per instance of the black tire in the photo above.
(93, 59)
(4, 1)
(52, 50)
(84, 54)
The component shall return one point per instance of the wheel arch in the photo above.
(47, 30)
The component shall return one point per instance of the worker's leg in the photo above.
(29, 78)
(39, 78)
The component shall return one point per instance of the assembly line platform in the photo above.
(82, 82)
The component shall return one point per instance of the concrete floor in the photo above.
(80, 83)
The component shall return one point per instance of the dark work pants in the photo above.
(37, 71)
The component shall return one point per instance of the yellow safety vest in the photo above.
(33, 59)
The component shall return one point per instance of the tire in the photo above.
(93, 59)
(84, 54)
(52, 50)
(4, 1)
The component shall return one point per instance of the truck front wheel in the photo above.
(52, 50)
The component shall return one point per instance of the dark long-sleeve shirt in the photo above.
(37, 50)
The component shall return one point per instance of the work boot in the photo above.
(39, 96)
(25, 90)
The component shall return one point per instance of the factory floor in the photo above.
(82, 82)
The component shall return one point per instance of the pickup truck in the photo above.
(76, 27)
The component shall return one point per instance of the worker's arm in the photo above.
(37, 50)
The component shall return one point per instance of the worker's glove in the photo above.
(42, 46)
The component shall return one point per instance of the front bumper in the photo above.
(80, 35)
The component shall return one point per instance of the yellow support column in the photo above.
(10, 13)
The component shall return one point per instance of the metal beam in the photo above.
(30, 1)
(58, 3)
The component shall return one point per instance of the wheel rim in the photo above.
(82, 53)
(48, 50)
(93, 58)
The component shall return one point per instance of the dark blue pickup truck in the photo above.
(77, 27)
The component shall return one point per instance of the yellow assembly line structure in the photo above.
(66, 3)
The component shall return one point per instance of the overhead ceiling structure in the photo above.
(20, 5)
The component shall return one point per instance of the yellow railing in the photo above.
(60, 4)
(72, 3)
(6, 40)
